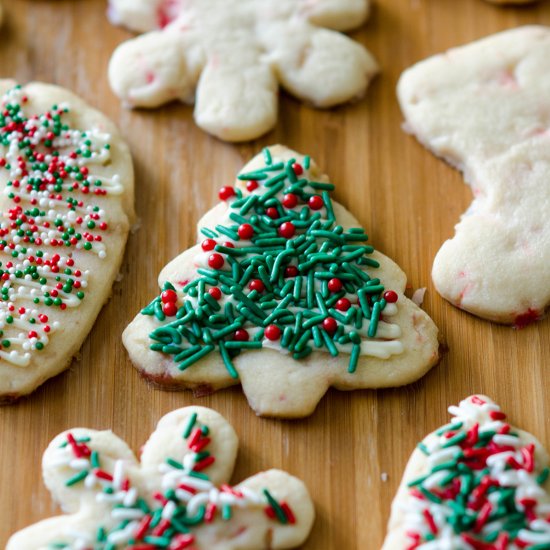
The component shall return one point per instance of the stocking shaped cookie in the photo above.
(175, 497)
(485, 108)
(67, 195)
(475, 484)
(229, 56)
(283, 295)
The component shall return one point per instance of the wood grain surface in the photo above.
(408, 201)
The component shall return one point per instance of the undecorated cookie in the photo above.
(485, 108)
(477, 483)
(67, 183)
(229, 57)
(284, 296)
(175, 497)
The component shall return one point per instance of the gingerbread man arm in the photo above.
(483, 108)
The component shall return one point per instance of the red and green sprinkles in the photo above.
(481, 488)
(49, 217)
(279, 269)
(164, 519)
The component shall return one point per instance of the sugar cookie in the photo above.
(485, 109)
(67, 199)
(282, 295)
(229, 57)
(476, 483)
(175, 497)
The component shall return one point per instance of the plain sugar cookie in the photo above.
(477, 483)
(485, 108)
(175, 497)
(229, 57)
(67, 197)
(283, 295)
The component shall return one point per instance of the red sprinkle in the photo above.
(288, 513)
(241, 335)
(291, 271)
(215, 292)
(169, 309)
(204, 463)
(343, 304)
(210, 512)
(287, 230)
(182, 541)
(226, 193)
(245, 231)
(430, 521)
(272, 332)
(391, 296)
(251, 185)
(298, 169)
(330, 325)
(315, 202)
(208, 244)
(335, 285)
(169, 296)
(216, 261)
(290, 200)
(257, 285)
(272, 212)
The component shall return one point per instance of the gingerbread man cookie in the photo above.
(476, 483)
(284, 296)
(175, 497)
(67, 198)
(484, 108)
(229, 56)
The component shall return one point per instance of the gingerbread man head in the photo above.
(229, 57)
(175, 497)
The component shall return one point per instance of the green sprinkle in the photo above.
(76, 478)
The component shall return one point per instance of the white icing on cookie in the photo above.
(477, 482)
(177, 496)
(283, 271)
(66, 181)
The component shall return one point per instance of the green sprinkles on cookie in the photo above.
(279, 271)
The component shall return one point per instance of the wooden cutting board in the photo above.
(352, 451)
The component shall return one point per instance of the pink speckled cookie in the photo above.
(485, 108)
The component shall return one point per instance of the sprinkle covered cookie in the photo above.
(176, 497)
(229, 57)
(284, 296)
(484, 108)
(67, 197)
(477, 483)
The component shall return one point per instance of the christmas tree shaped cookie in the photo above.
(477, 483)
(229, 57)
(176, 497)
(283, 295)
(67, 197)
